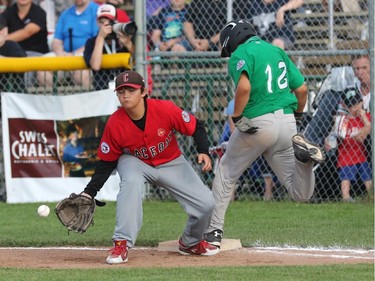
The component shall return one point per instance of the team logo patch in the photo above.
(185, 116)
(240, 64)
(104, 147)
(161, 132)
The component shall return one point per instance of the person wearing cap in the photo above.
(105, 42)
(139, 141)
(352, 154)
(113, 37)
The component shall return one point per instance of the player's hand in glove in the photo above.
(76, 212)
(243, 124)
(299, 118)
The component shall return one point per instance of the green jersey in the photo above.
(272, 75)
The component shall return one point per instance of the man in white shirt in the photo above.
(361, 67)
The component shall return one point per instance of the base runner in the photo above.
(269, 99)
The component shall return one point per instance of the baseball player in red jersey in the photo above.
(139, 141)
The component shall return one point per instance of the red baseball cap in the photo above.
(129, 78)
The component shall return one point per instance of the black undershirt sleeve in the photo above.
(200, 138)
(102, 172)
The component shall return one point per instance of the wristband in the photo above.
(236, 119)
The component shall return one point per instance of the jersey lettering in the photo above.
(142, 153)
(282, 80)
(153, 151)
(161, 147)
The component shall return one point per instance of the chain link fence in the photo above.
(322, 38)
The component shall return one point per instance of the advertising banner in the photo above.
(50, 144)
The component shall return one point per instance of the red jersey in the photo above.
(350, 151)
(155, 145)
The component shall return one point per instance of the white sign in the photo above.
(50, 144)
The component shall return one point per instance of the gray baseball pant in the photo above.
(181, 181)
(273, 140)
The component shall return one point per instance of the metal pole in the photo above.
(371, 14)
(330, 24)
(140, 39)
(229, 10)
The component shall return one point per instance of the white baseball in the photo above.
(43, 211)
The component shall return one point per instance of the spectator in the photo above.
(352, 154)
(203, 21)
(167, 28)
(121, 15)
(152, 155)
(75, 25)
(362, 71)
(273, 21)
(329, 105)
(320, 125)
(361, 68)
(27, 25)
(12, 82)
(105, 42)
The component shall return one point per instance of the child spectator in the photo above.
(167, 28)
(352, 158)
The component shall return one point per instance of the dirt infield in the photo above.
(150, 257)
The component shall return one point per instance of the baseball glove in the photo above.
(76, 212)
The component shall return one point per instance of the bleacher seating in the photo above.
(313, 32)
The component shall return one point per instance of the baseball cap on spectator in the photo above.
(351, 96)
(129, 78)
(106, 11)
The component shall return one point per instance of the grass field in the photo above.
(337, 225)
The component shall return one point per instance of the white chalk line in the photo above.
(305, 253)
(290, 251)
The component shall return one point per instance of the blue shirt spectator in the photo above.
(74, 29)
